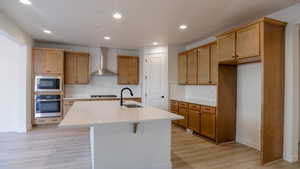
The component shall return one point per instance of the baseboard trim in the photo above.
(248, 143)
(291, 158)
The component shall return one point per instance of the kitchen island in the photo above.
(121, 137)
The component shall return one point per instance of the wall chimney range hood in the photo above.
(102, 62)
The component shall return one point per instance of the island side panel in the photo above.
(115, 146)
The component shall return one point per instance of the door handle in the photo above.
(162, 97)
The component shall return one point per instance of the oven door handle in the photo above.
(48, 100)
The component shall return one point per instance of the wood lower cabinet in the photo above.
(48, 61)
(194, 118)
(76, 68)
(208, 122)
(128, 70)
(198, 118)
(183, 111)
(48, 120)
(174, 107)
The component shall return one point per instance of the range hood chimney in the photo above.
(102, 62)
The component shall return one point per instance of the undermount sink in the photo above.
(133, 106)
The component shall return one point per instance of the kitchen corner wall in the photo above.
(98, 84)
(16, 85)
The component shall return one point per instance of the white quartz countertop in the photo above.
(195, 101)
(89, 113)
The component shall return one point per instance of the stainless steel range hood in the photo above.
(102, 62)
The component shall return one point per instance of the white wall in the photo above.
(98, 84)
(248, 124)
(16, 105)
(175, 90)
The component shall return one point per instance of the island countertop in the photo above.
(89, 113)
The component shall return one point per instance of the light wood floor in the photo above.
(52, 148)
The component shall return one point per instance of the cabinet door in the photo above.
(194, 120)
(128, 70)
(192, 67)
(208, 124)
(214, 63)
(183, 112)
(54, 61)
(226, 47)
(182, 69)
(203, 64)
(248, 42)
(83, 72)
(39, 61)
(133, 70)
(123, 65)
(174, 109)
(211, 123)
(70, 69)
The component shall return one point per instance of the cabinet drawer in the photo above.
(53, 120)
(183, 105)
(174, 108)
(173, 102)
(208, 109)
(194, 107)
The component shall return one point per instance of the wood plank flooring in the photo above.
(52, 148)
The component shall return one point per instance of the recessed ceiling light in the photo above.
(182, 27)
(47, 31)
(26, 2)
(107, 38)
(117, 15)
(155, 43)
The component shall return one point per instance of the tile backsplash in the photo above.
(203, 92)
(100, 85)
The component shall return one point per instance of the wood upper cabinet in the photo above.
(204, 65)
(247, 44)
(76, 68)
(182, 68)
(192, 66)
(226, 47)
(128, 70)
(208, 122)
(48, 61)
(214, 62)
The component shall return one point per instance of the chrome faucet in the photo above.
(126, 88)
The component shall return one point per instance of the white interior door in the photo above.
(156, 80)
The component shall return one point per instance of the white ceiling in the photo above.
(86, 22)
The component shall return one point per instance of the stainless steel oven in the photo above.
(48, 83)
(47, 105)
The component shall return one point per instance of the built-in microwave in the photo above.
(48, 83)
(47, 105)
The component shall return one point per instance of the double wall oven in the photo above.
(48, 96)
